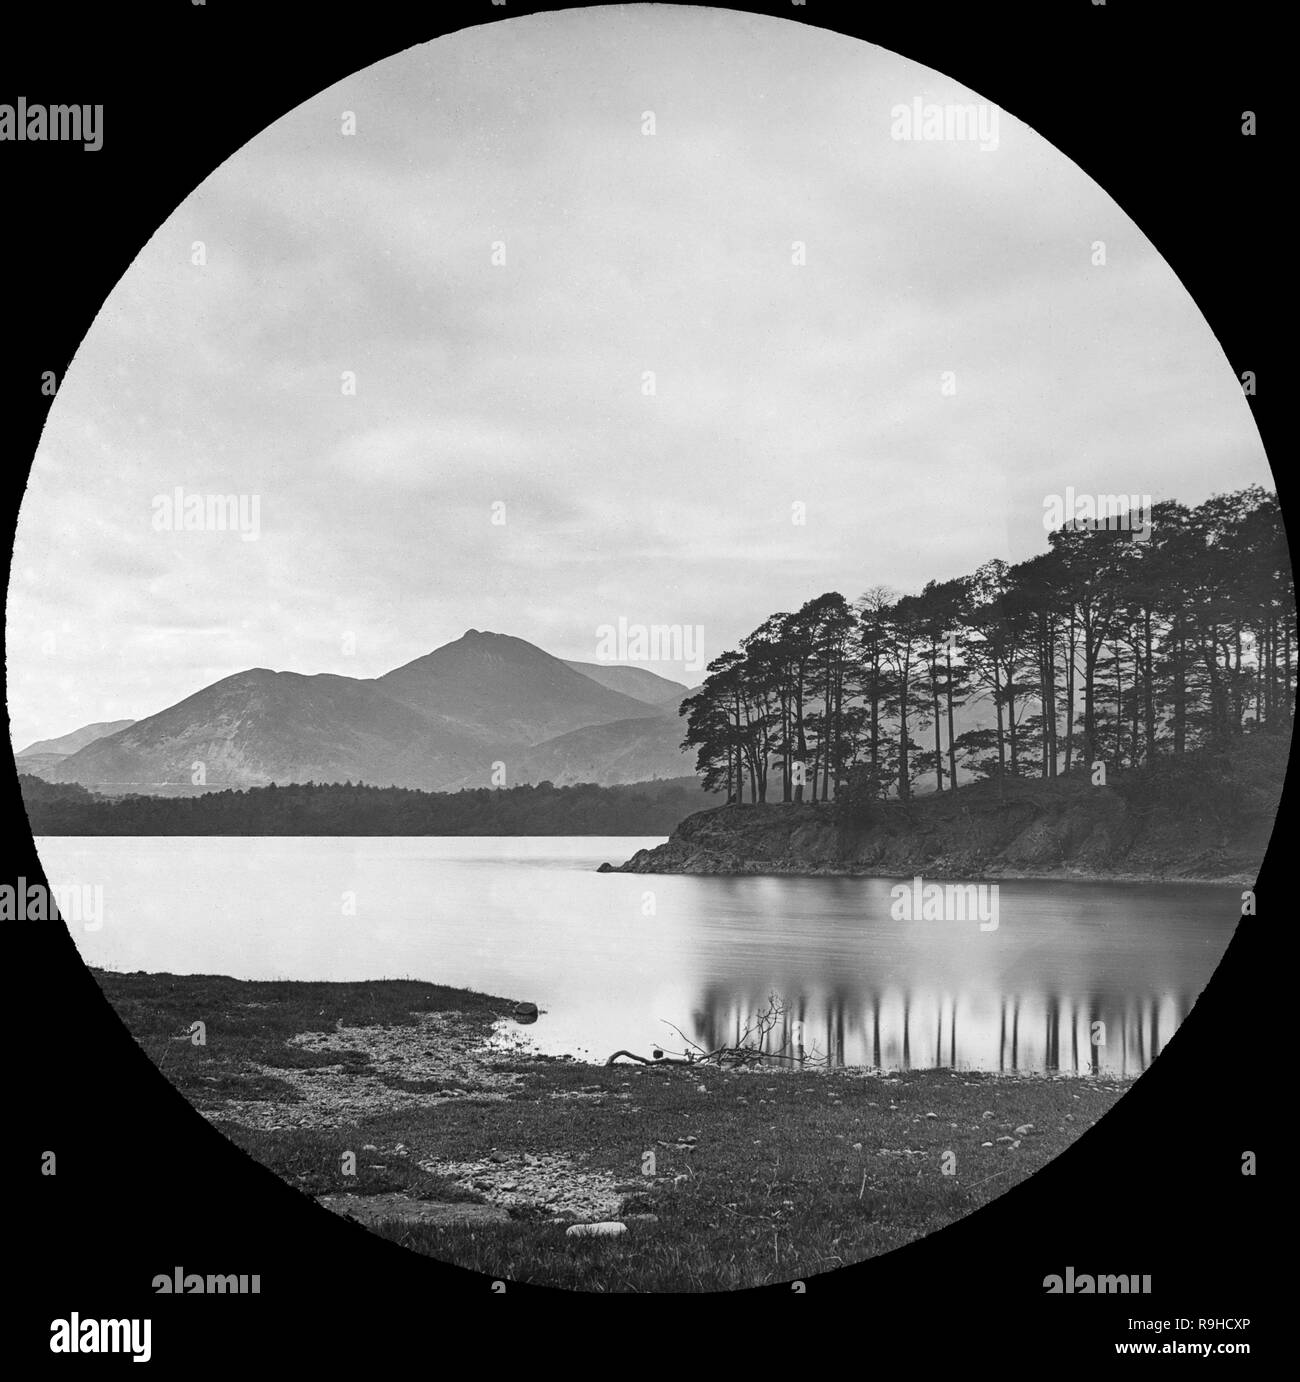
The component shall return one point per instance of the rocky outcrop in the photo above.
(1030, 829)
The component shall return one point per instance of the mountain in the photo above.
(504, 692)
(632, 681)
(261, 726)
(484, 710)
(78, 739)
(440, 722)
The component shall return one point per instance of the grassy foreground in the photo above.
(483, 1157)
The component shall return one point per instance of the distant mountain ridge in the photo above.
(633, 681)
(78, 739)
(487, 709)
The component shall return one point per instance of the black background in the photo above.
(1150, 105)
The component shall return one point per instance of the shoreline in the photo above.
(488, 1158)
(1233, 880)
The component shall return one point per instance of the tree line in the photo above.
(1114, 645)
(318, 808)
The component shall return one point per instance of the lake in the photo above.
(612, 958)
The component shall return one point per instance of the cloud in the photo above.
(795, 282)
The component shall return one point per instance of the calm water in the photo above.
(609, 957)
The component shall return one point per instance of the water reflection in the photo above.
(1101, 1032)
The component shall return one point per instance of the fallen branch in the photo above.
(646, 1060)
(735, 1055)
(758, 1030)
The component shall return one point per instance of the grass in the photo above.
(249, 1024)
(775, 1189)
(790, 1174)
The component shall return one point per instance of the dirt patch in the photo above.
(554, 1185)
(439, 1057)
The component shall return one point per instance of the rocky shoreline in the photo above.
(1058, 832)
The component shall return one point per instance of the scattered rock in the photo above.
(432, 1049)
(606, 1230)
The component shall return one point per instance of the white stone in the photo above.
(605, 1230)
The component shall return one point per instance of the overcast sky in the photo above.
(522, 383)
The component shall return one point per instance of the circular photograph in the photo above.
(650, 650)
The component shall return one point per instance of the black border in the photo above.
(1148, 100)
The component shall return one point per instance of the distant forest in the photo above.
(642, 808)
(1113, 645)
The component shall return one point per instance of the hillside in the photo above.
(1200, 817)
(70, 743)
(633, 681)
(636, 750)
(441, 722)
(261, 726)
(504, 692)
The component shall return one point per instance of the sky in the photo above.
(637, 313)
